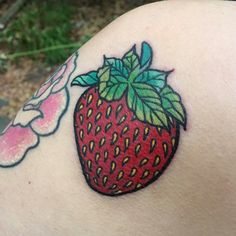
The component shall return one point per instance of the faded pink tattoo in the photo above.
(39, 117)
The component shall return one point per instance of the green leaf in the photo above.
(85, 80)
(131, 60)
(172, 104)
(145, 102)
(146, 55)
(155, 78)
(117, 66)
(111, 87)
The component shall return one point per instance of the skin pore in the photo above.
(47, 192)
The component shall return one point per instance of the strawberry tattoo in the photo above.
(127, 124)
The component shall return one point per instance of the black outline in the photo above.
(112, 170)
(75, 55)
(23, 157)
(145, 162)
(146, 135)
(133, 49)
(83, 85)
(151, 149)
(147, 64)
(136, 136)
(104, 184)
(118, 111)
(114, 141)
(116, 155)
(81, 119)
(144, 121)
(84, 150)
(123, 164)
(136, 153)
(99, 104)
(110, 125)
(134, 190)
(81, 133)
(97, 119)
(122, 175)
(91, 150)
(98, 171)
(97, 132)
(133, 174)
(120, 122)
(156, 164)
(95, 180)
(145, 171)
(115, 60)
(89, 102)
(167, 148)
(126, 148)
(126, 185)
(87, 114)
(105, 159)
(108, 116)
(89, 166)
(99, 143)
(97, 159)
(174, 148)
(113, 187)
(168, 114)
(89, 130)
(59, 118)
(122, 132)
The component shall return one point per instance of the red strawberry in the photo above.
(126, 132)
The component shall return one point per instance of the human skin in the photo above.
(46, 194)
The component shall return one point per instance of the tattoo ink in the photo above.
(127, 123)
(39, 117)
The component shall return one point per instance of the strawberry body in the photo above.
(127, 123)
(119, 153)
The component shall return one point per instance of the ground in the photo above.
(22, 77)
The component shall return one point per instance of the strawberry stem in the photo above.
(149, 96)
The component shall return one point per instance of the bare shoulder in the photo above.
(165, 88)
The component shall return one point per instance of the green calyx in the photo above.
(147, 93)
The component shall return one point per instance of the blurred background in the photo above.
(36, 36)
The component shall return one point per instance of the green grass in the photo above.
(39, 25)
